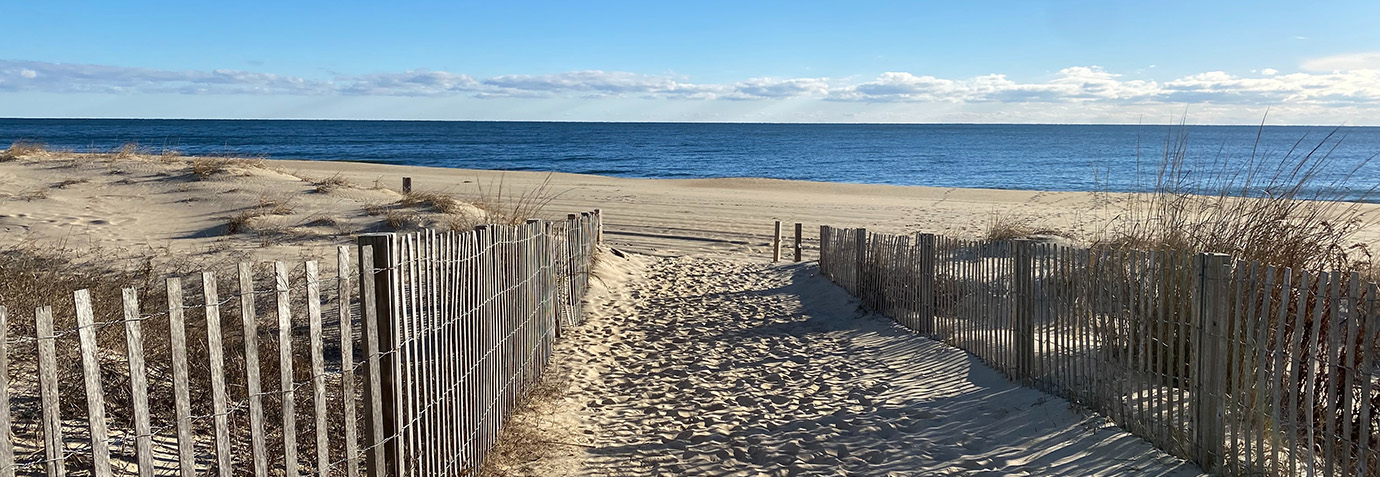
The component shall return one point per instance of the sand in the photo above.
(699, 356)
(153, 203)
(720, 366)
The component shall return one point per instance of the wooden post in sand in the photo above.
(776, 243)
(1214, 288)
(376, 269)
(798, 227)
(407, 185)
(1024, 330)
(824, 242)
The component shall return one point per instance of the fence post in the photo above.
(928, 256)
(407, 185)
(798, 227)
(776, 243)
(598, 226)
(824, 238)
(377, 305)
(1023, 333)
(1213, 289)
(861, 239)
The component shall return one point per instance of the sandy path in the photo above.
(701, 366)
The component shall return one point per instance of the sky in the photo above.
(1031, 61)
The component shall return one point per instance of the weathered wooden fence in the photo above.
(411, 370)
(1243, 368)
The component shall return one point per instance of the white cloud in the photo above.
(597, 84)
(1344, 62)
(769, 88)
(410, 83)
(1076, 88)
(83, 78)
(1074, 84)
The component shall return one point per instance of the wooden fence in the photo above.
(408, 370)
(1243, 368)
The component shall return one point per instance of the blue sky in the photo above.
(800, 61)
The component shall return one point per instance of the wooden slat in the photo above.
(407, 321)
(1263, 383)
(1231, 399)
(401, 347)
(475, 337)
(1314, 364)
(6, 434)
(432, 382)
(286, 384)
(1158, 354)
(1349, 372)
(1142, 281)
(318, 367)
(347, 361)
(182, 400)
(54, 447)
(433, 453)
(95, 394)
(441, 353)
(1102, 327)
(418, 389)
(254, 390)
(138, 383)
(454, 416)
(1331, 374)
(374, 384)
(219, 398)
(1279, 372)
(1372, 330)
(1298, 371)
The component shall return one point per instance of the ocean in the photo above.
(1115, 158)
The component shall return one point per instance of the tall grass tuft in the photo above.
(505, 208)
(20, 149)
(1275, 210)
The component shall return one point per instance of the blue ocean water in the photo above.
(1003, 156)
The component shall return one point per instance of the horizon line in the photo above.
(822, 123)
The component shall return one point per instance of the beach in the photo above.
(699, 356)
(157, 203)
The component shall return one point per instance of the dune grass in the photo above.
(1271, 208)
(1274, 209)
(20, 149)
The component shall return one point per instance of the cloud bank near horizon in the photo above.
(1344, 82)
